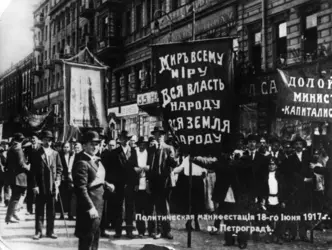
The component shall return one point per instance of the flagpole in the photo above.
(190, 155)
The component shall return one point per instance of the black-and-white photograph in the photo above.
(165, 124)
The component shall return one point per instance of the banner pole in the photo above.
(190, 156)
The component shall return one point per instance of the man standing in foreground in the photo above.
(46, 170)
(89, 180)
(161, 160)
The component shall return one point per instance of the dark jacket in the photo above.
(327, 172)
(16, 166)
(45, 173)
(161, 167)
(84, 172)
(121, 172)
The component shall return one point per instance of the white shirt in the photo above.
(48, 151)
(299, 155)
(252, 153)
(275, 154)
(125, 149)
(101, 173)
(273, 189)
(142, 159)
(230, 196)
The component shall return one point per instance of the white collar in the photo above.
(92, 158)
(272, 173)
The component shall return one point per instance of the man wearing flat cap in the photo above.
(47, 171)
(89, 182)
(161, 161)
(17, 175)
(122, 174)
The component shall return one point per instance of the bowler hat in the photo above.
(141, 140)
(125, 133)
(19, 137)
(47, 134)
(91, 136)
(158, 129)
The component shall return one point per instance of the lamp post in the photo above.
(156, 22)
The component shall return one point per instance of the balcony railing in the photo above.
(102, 4)
(38, 69)
(39, 46)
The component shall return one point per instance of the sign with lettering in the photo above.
(305, 95)
(194, 87)
(122, 111)
(257, 87)
(147, 98)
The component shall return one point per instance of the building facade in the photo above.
(16, 94)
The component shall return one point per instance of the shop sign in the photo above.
(261, 86)
(127, 110)
(147, 98)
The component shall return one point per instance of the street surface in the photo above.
(19, 237)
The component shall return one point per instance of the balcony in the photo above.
(102, 4)
(38, 69)
(39, 46)
(87, 9)
(39, 21)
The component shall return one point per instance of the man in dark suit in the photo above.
(301, 183)
(35, 145)
(47, 170)
(161, 160)
(17, 175)
(66, 186)
(89, 182)
(122, 174)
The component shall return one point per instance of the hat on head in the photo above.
(285, 141)
(298, 138)
(141, 140)
(72, 140)
(158, 129)
(18, 137)
(47, 134)
(125, 133)
(151, 138)
(35, 134)
(252, 137)
(274, 139)
(273, 160)
(4, 142)
(91, 136)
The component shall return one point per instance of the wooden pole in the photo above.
(190, 156)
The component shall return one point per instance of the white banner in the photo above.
(86, 97)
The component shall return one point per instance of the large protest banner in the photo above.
(84, 96)
(304, 95)
(194, 83)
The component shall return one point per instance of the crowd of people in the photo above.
(103, 183)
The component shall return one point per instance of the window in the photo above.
(256, 50)
(59, 24)
(73, 12)
(46, 33)
(310, 36)
(68, 40)
(128, 22)
(45, 53)
(73, 39)
(57, 84)
(53, 51)
(104, 27)
(68, 16)
(281, 42)
(63, 44)
(85, 29)
(139, 20)
(148, 11)
(59, 48)
(175, 4)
